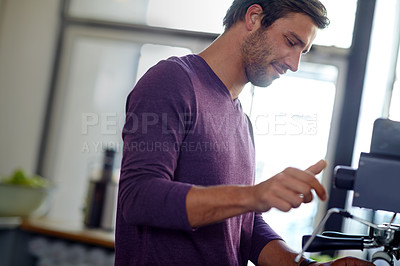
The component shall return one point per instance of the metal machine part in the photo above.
(386, 235)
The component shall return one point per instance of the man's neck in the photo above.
(225, 59)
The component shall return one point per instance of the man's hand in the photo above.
(289, 189)
(347, 261)
(284, 191)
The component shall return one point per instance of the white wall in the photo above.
(28, 34)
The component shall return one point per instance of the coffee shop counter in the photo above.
(17, 236)
(69, 231)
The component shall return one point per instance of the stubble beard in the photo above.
(256, 53)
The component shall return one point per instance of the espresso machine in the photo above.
(376, 184)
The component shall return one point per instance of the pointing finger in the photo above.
(317, 168)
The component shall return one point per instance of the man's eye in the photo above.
(290, 42)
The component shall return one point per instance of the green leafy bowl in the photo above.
(23, 195)
(22, 201)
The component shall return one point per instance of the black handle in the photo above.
(344, 177)
(342, 235)
(321, 243)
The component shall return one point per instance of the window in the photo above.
(380, 96)
(98, 73)
(291, 121)
(125, 11)
(203, 15)
(340, 32)
(152, 53)
(199, 15)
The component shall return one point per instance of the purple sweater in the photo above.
(182, 129)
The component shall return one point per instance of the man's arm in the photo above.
(284, 191)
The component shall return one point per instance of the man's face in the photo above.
(269, 53)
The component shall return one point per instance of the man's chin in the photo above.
(262, 83)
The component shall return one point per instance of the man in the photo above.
(187, 193)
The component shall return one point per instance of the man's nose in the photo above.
(293, 61)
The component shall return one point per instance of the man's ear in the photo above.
(253, 17)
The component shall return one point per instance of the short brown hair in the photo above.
(275, 9)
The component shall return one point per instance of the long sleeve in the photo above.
(182, 129)
(262, 235)
(156, 122)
